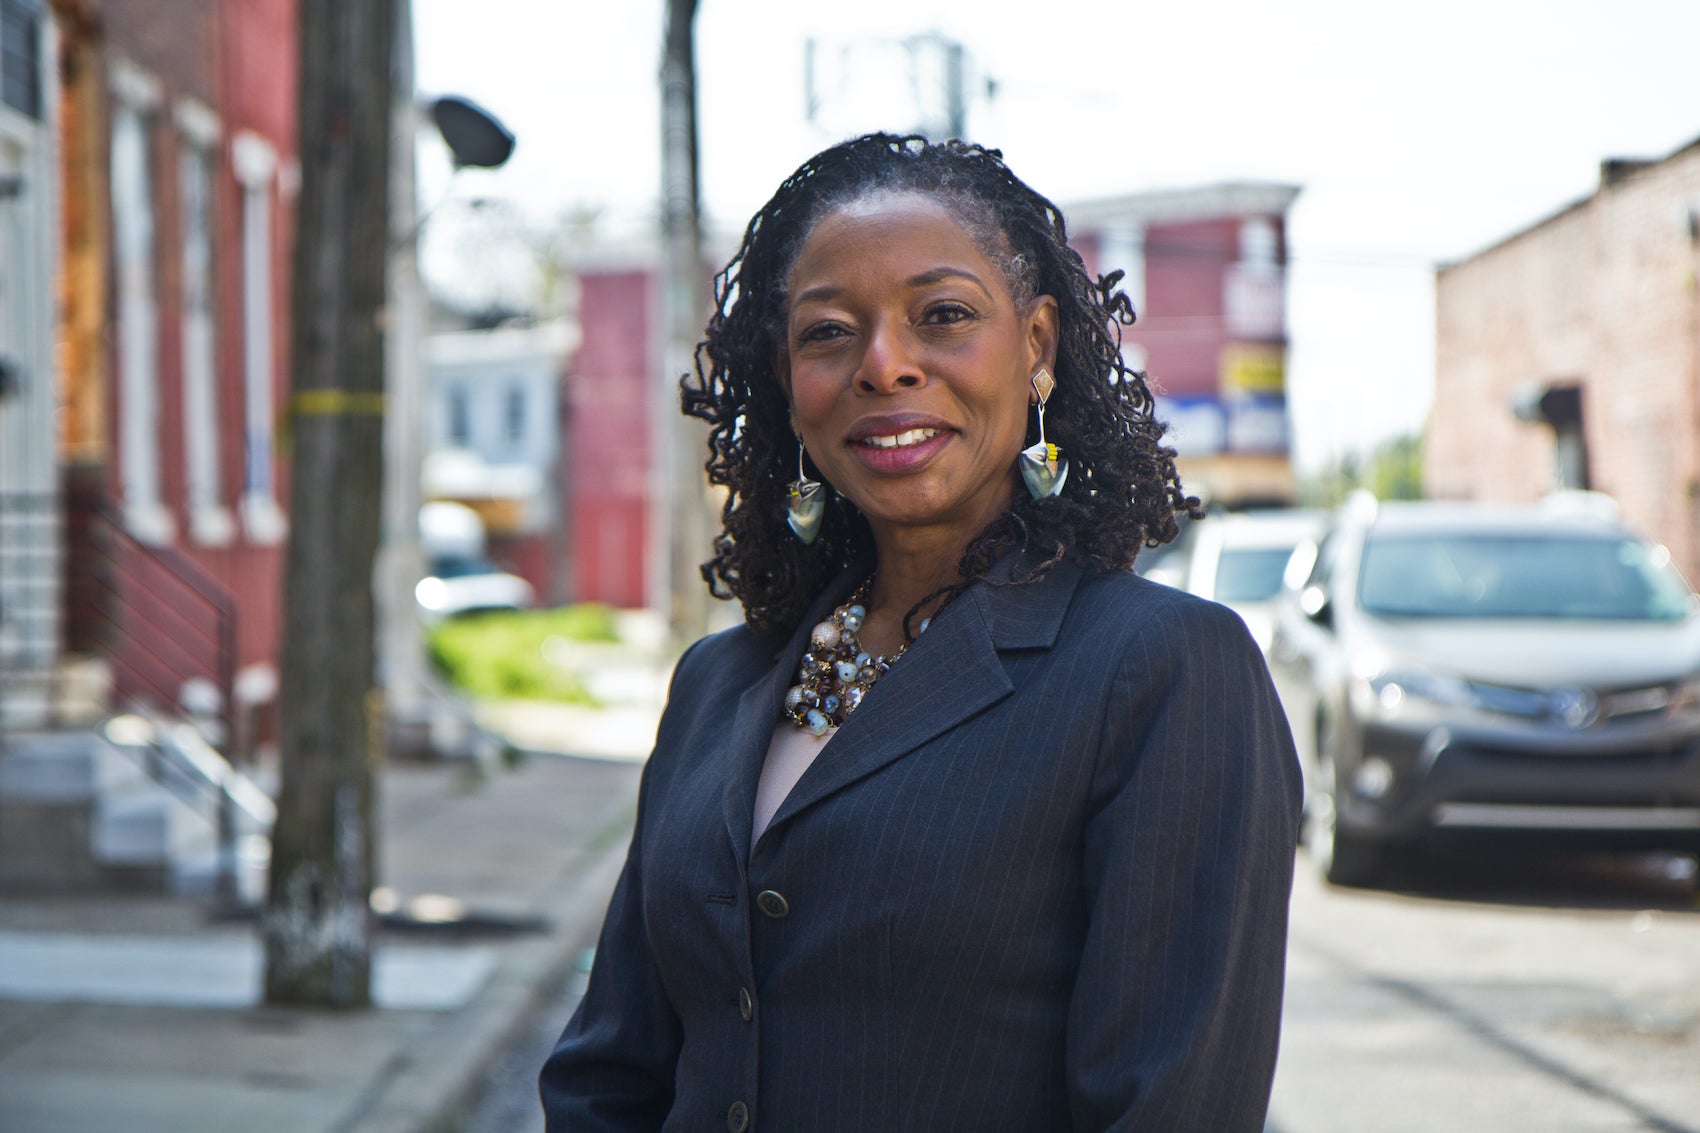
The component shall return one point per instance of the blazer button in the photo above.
(746, 1005)
(738, 1117)
(772, 904)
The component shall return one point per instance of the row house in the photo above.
(1567, 355)
(1206, 271)
(177, 162)
(29, 524)
(493, 431)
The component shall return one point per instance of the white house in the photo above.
(494, 421)
(29, 498)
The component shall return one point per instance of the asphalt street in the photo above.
(1482, 994)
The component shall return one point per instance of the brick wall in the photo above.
(608, 430)
(1602, 294)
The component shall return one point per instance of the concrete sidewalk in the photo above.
(141, 1014)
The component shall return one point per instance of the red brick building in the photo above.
(178, 172)
(606, 473)
(1206, 271)
(1568, 354)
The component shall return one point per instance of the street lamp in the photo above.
(473, 134)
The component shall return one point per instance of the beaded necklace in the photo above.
(836, 672)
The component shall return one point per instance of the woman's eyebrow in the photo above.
(821, 292)
(825, 292)
(942, 273)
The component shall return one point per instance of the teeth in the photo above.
(912, 437)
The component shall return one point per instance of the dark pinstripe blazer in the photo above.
(1037, 882)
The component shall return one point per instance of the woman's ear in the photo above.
(1042, 332)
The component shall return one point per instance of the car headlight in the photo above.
(1389, 692)
(431, 593)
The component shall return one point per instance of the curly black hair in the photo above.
(1122, 491)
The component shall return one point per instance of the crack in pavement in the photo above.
(1484, 1030)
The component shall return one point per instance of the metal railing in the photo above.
(161, 620)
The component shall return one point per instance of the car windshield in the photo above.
(1520, 576)
(1250, 574)
(459, 566)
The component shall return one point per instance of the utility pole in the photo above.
(681, 443)
(317, 921)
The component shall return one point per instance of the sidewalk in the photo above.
(140, 1013)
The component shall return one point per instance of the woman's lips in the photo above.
(900, 451)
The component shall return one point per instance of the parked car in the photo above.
(1237, 559)
(458, 578)
(1456, 670)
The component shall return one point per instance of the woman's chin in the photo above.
(906, 510)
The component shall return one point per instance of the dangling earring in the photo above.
(807, 502)
(1042, 466)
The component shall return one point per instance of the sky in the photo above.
(1419, 133)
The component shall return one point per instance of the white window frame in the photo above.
(254, 161)
(135, 99)
(516, 427)
(1122, 245)
(210, 522)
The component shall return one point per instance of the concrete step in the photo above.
(79, 811)
(148, 828)
(64, 767)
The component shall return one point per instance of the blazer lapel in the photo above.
(951, 673)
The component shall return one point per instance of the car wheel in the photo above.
(1342, 857)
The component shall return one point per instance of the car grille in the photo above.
(1577, 707)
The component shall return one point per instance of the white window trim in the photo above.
(135, 97)
(254, 161)
(1122, 245)
(197, 122)
(210, 522)
(132, 86)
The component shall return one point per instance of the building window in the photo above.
(20, 56)
(1254, 299)
(514, 415)
(209, 523)
(1258, 242)
(460, 418)
(138, 310)
(1123, 246)
(255, 163)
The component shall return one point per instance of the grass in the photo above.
(517, 655)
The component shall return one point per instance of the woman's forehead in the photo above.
(889, 226)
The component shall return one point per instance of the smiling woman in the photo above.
(1011, 244)
(968, 826)
(907, 363)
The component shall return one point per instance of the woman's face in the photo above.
(909, 366)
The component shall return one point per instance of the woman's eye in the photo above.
(821, 332)
(947, 313)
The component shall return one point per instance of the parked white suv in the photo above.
(1236, 558)
(458, 578)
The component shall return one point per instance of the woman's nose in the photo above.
(889, 363)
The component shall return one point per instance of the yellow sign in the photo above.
(1253, 370)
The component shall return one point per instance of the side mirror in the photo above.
(1313, 600)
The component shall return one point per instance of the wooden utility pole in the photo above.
(682, 535)
(317, 921)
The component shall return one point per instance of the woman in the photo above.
(967, 827)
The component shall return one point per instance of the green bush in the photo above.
(503, 655)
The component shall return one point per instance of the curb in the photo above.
(432, 1082)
